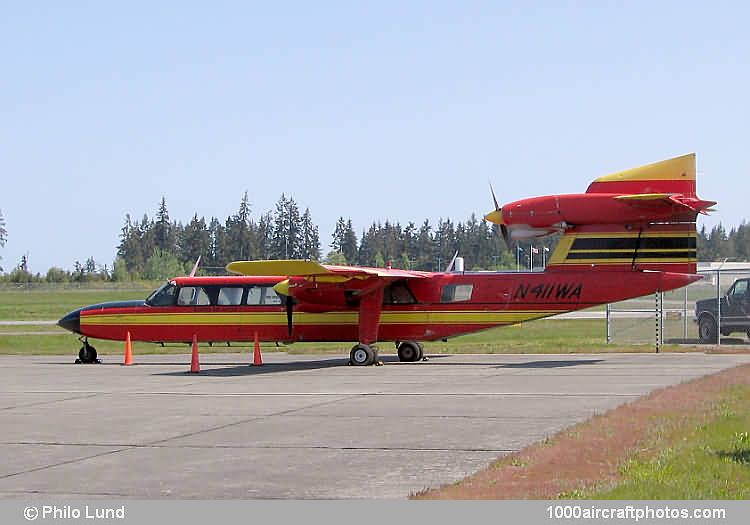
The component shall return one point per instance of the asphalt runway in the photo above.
(300, 426)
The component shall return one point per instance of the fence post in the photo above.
(609, 325)
(661, 319)
(718, 307)
(684, 317)
(658, 309)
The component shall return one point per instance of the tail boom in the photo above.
(667, 247)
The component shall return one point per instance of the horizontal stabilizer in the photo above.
(692, 203)
(644, 197)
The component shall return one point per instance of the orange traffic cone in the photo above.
(128, 351)
(195, 365)
(257, 358)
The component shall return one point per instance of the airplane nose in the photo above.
(71, 321)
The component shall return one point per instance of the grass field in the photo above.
(709, 459)
(52, 302)
(48, 303)
(689, 441)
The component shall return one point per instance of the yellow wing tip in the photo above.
(279, 267)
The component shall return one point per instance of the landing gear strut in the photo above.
(363, 355)
(87, 353)
(410, 351)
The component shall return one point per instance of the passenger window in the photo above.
(254, 295)
(453, 293)
(398, 293)
(193, 296)
(262, 295)
(270, 296)
(230, 296)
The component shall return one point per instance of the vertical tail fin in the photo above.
(675, 175)
(662, 244)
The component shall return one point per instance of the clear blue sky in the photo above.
(369, 110)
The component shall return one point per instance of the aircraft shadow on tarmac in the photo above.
(552, 364)
(239, 369)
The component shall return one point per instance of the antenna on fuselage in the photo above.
(195, 267)
(449, 268)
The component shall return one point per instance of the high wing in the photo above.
(306, 268)
(312, 286)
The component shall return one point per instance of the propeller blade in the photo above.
(495, 216)
(289, 313)
(494, 199)
(506, 235)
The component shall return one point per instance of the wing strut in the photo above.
(370, 306)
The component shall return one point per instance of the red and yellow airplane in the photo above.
(631, 234)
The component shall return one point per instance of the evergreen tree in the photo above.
(239, 242)
(337, 241)
(194, 241)
(425, 248)
(164, 236)
(309, 238)
(265, 235)
(286, 240)
(368, 246)
(345, 241)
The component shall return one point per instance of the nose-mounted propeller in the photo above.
(282, 289)
(496, 217)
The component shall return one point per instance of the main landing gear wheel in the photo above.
(410, 351)
(87, 354)
(362, 355)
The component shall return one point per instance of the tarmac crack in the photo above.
(62, 463)
(49, 402)
(71, 493)
(125, 447)
(248, 420)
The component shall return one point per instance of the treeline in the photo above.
(718, 244)
(155, 248)
(160, 248)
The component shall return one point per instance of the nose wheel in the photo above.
(87, 354)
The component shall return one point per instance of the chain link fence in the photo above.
(714, 310)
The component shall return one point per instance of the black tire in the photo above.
(87, 354)
(748, 333)
(707, 330)
(409, 352)
(362, 355)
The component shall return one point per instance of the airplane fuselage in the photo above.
(438, 306)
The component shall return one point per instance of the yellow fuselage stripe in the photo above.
(303, 318)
